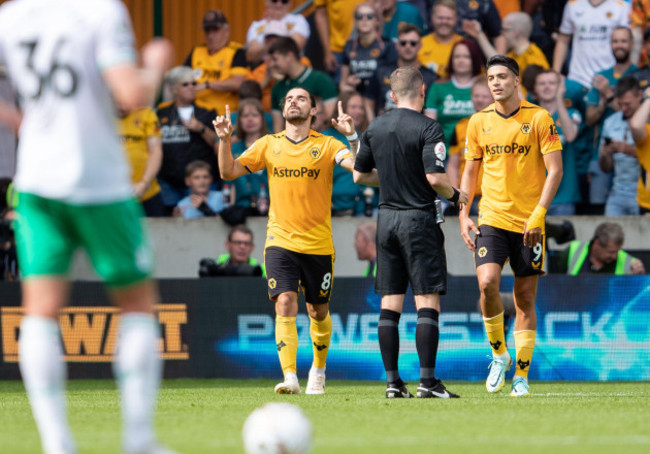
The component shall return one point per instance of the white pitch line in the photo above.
(584, 395)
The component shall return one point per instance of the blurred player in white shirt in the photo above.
(70, 61)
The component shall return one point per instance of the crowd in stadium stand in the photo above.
(586, 61)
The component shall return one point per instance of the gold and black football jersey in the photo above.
(300, 188)
(512, 149)
(229, 61)
(135, 129)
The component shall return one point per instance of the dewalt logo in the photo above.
(513, 148)
(89, 333)
(302, 172)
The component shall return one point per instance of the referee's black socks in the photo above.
(426, 343)
(388, 334)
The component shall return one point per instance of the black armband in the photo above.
(454, 198)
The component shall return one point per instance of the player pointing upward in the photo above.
(299, 251)
(517, 144)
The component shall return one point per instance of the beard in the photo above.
(297, 118)
(622, 58)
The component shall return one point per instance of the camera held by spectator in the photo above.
(237, 261)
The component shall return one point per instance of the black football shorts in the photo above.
(410, 249)
(288, 271)
(495, 245)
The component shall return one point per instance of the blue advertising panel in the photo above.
(588, 328)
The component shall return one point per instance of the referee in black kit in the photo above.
(408, 151)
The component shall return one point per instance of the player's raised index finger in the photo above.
(340, 108)
(227, 112)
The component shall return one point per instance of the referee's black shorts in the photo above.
(289, 271)
(410, 248)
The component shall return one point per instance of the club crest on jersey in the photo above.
(315, 152)
(440, 151)
(482, 252)
(272, 283)
(525, 128)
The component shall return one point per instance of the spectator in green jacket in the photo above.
(602, 255)
(239, 245)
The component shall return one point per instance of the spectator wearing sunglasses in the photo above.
(187, 136)
(408, 45)
(293, 25)
(365, 52)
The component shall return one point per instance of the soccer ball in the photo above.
(277, 428)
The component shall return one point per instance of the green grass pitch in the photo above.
(206, 416)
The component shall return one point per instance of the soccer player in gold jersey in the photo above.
(521, 158)
(299, 250)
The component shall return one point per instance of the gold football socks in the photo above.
(496, 335)
(525, 344)
(286, 338)
(321, 332)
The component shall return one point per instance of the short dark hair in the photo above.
(250, 89)
(529, 76)
(197, 165)
(240, 228)
(405, 28)
(285, 46)
(626, 84)
(312, 98)
(502, 60)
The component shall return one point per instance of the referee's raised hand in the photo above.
(343, 123)
(222, 125)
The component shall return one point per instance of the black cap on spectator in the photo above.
(646, 35)
(214, 19)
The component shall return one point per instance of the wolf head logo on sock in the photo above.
(320, 347)
(496, 345)
(523, 364)
(280, 345)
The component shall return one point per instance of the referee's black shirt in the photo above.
(403, 145)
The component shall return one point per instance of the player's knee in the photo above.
(488, 285)
(318, 312)
(525, 300)
(286, 306)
